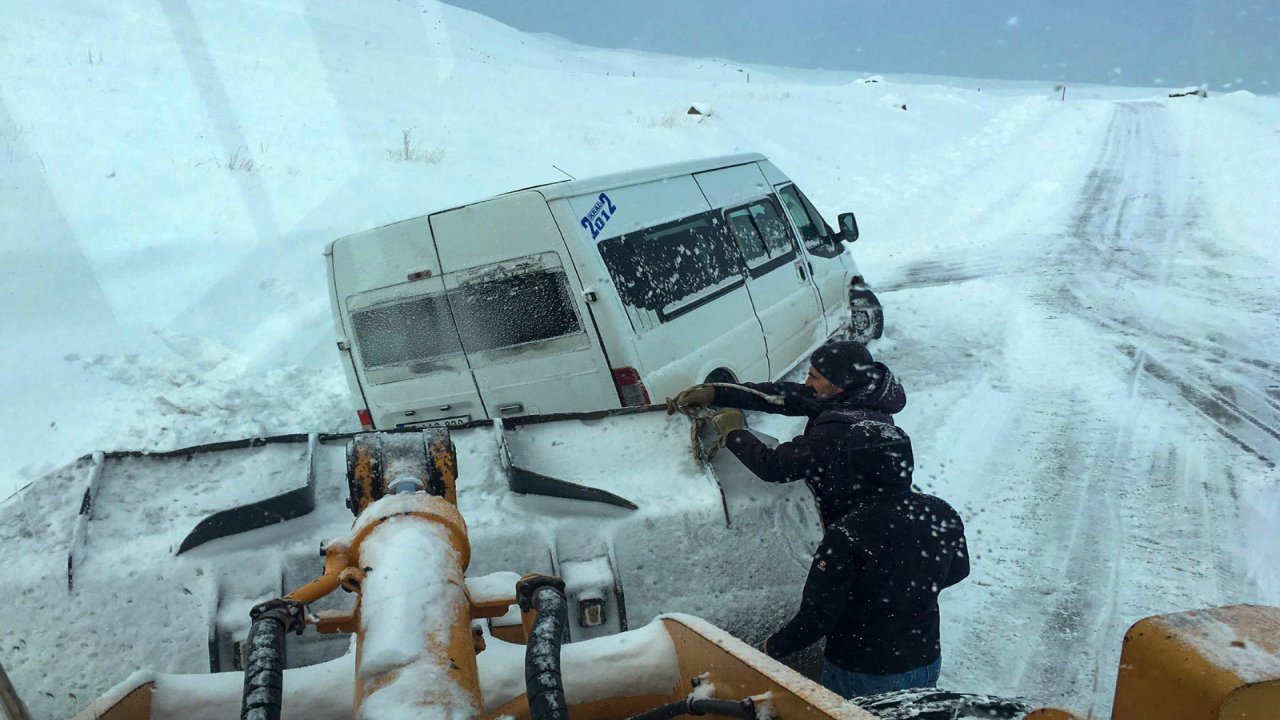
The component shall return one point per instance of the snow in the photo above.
(410, 601)
(405, 593)
(590, 578)
(1252, 657)
(642, 660)
(494, 586)
(1080, 299)
(317, 692)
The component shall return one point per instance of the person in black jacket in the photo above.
(845, 387)
(886, 551)
(873, 587)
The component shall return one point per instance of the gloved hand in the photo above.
(728, 420)
(691, 399)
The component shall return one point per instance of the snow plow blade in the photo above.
(276, 476)
(614, 502)
(277, 508)
(277, 493)
(530, 482)
(406, 561)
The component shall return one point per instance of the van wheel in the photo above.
(866, 315)
(721, 375)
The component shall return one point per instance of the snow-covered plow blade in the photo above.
(227, 488)
(614, 502)
(430, 636)
(210, 491)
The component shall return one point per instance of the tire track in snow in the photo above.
(1117, 514)
(952, 268)
(1148, 513)
(1238, 394)
(1082, 509)
(1241, 398)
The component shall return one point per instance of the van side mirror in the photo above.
(848, 227)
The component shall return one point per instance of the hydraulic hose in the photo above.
(264, 663)
(263, 671)
(543, 684)
(745, 709)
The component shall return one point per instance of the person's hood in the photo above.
(881, 400)
(886, 395)
(880, 458)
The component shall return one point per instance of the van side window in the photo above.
(814, 232)
(762, 234)
(667, 270)
(769, 222)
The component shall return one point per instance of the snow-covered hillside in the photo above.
(1080, 296)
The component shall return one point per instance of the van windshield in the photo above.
(488, 314)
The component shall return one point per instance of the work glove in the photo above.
(728, 420)
(691, 400)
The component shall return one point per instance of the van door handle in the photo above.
(800, 269)
(512, 408)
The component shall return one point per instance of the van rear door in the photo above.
(405, 353)
(519, 310)
(410, 356)
(785, 299)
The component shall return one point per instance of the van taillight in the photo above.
(366, 419)
(631, 389)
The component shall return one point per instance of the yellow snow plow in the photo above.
(430, 642)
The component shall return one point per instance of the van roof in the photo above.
(582, 186)
(569, 188)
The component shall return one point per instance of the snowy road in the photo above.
(1094, 430)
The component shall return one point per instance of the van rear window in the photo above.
(412, 330)
(489, 314)
(670, 269)
(513, 310)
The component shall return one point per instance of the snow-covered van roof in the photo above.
(582, 186)
(570, 188)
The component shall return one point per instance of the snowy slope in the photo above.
(173, 178)
(1081, 296)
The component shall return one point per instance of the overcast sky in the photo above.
(1228, 44)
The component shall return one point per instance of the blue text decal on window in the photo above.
(595, 220)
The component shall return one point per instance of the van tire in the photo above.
(866, 315)
(721, 375)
